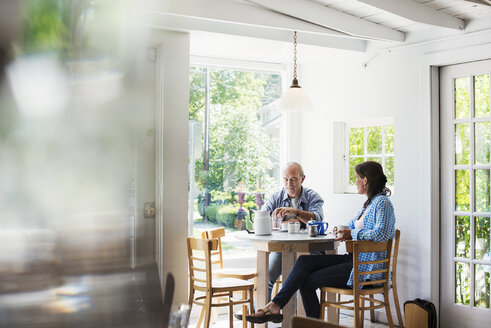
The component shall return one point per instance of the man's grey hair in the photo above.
(297, 165)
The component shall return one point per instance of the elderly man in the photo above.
(293, 203)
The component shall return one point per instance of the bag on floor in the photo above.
(419, 314)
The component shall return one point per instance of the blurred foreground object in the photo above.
(9, 16)
(67, 166)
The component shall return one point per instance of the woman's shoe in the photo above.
(266, 317)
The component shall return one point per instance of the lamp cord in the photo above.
(295, 55)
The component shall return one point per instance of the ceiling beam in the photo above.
(417, 13)
(481, 2)
(319, 14)
(240, 13)
(167, 21)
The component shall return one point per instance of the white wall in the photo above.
(389, 87)
(172, 156)
(396, 84)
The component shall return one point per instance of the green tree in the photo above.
(46, 26)
(239, 147)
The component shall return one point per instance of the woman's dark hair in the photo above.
(376, 179)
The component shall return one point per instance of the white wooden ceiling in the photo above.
(373, 11)
(346, 24)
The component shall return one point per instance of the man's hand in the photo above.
(283, 211)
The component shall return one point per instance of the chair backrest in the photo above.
(218, 233)
(199, 259)
(395, 251)
(364, 246)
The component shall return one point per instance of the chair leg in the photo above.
(362, 312)
(251, 306)
(191, 299)
(207, 311)
(191, 302)
(323, 306)
(201, 315)
(387, 309)
(372, 312)
(276, 286)
(396, 302)
(244, 313)
(356, 304)
(230, 309)
(338, 310)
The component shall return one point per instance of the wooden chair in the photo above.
(301, 322)
(200, 280)
(276, 287)
(217, 261)
(369, 287)
(393, 271)
(222, 272)
(217, 258)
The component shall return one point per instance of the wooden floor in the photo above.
(222, 322)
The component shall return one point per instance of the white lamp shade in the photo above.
(295, 100)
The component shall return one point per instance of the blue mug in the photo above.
(321, 227)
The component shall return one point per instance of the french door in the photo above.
(465, 161)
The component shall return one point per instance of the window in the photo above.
(363, 141)
(235, 130)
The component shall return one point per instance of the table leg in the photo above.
(262, 281)
(288, 261)
(300, 309)
(332, 312)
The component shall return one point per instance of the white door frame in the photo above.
(458, 315)
(430, 92)
(171, 156)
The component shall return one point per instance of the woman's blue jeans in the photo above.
(312, 272)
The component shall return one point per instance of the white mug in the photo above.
(284, 226)
(293, 227)
(341, 227)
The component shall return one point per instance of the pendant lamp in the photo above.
(295, 99)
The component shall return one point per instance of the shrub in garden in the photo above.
(212, 212)
(226, 215)
(249, 205)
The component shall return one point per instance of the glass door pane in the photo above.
(465, 138)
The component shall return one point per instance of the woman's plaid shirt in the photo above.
(378, 225)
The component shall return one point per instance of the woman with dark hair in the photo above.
(375, 221)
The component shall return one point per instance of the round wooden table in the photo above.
(290, 246)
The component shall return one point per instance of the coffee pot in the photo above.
(321, 226)
(262, 223)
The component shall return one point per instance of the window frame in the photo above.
(377, 122)
(254, 66)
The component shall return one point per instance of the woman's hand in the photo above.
(342, 235)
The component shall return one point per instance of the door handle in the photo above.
(149, 210)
